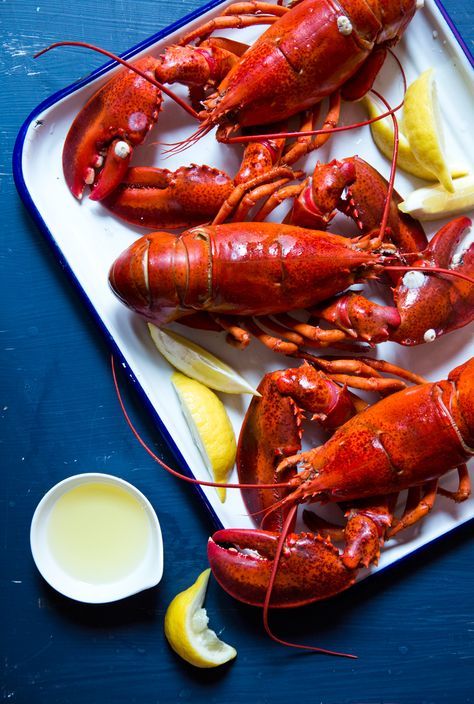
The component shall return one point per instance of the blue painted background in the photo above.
(412, 626)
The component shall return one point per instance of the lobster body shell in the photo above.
(240, 269)
(309, 53)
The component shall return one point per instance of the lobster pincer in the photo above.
(100, 142)
(353, 187)
(118, 117)
(310, 567)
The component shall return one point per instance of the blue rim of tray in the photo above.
(32, 209)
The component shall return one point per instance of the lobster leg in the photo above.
(253, 189)
(231, 21)
(463, 491)
(304, 146)
(422, 508)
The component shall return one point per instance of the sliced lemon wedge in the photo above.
(198, 363)
(210, 427)
(423, 127)
(187, 631)
(383, 136)
(435, 202)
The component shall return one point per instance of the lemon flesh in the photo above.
(435, 202)
(198, 363)
(210, 427)
(186, 628)
(423, 128)
(383, 136)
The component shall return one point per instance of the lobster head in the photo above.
(100, 142)
(394, 16)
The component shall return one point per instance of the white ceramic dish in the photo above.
(87, 239)
(147, 573)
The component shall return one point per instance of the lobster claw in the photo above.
(431, 306)
(310, 567)
(356, 189)
(100, 142)
(157, 198)
(272, 431)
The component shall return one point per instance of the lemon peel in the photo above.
(383, 136)
(423, 127)
(435, 202)
(187, 631)
(210, 427)
(198, 363)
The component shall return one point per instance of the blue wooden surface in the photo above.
(412, 626)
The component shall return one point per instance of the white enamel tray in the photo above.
(87, 239)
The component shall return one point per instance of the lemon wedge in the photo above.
(382, 134)
(423, 127)
(435, 202)
(187, 631)
(198, 363)
(210, 427)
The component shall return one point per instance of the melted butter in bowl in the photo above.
(96, 538)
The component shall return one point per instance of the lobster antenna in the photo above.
(393, 166)
(178, 147)
(271, 583)
(163, 464)
(278, 135)
(127, 64)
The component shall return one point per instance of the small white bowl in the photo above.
(145, 575)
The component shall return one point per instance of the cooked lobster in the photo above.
(407, 440)
(309, 52)
(313, 50)
(247, 277)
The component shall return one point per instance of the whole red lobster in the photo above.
(246, 277)
(407, 440)
(317, 48)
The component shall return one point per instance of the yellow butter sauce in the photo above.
(98, 532)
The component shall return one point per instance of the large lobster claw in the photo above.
(431, 305)
(310, 567)
(355, 188)
(272, 430)
(99, 144)
(427, 305)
